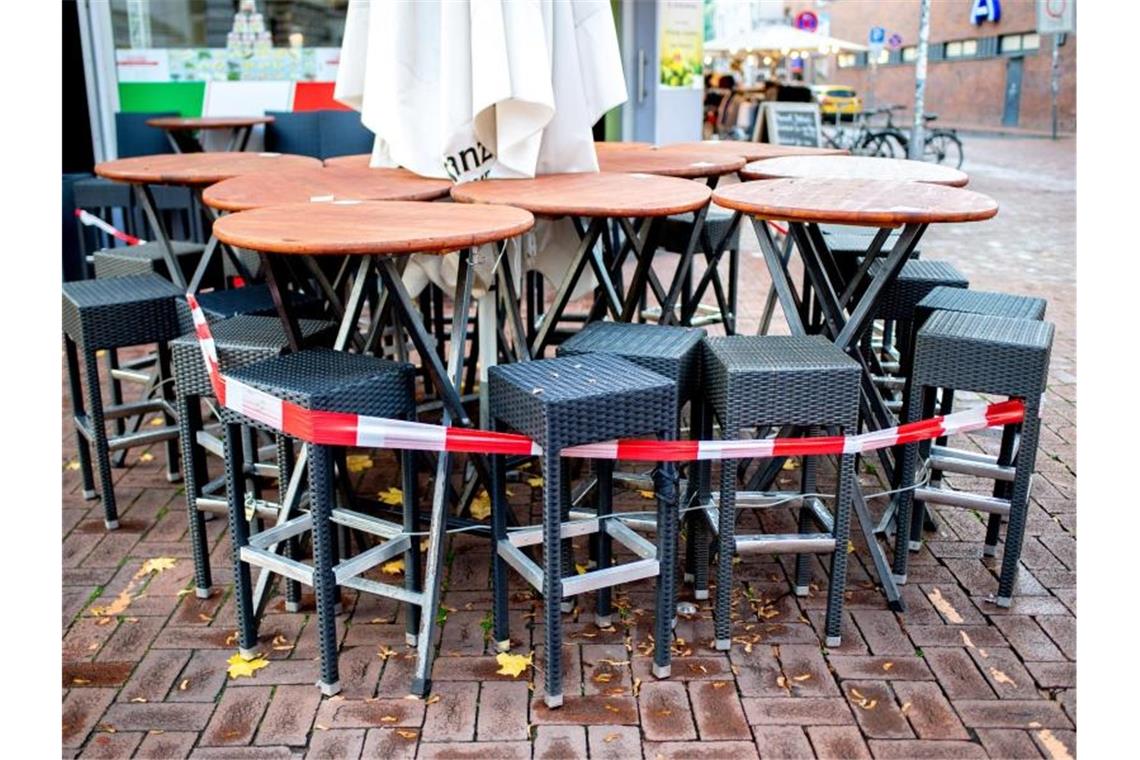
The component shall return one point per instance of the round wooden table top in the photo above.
(860, 202)
(356, 160)
(199, 168)
(178, 123)
(671, 163)
(322, 184)
(854, 167)
(614, 147)
(593, 194)
(370, 227)
(752, 151)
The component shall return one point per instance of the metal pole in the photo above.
(871, 93)
(1055, 80)
(916, 136)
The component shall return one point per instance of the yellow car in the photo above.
(837, 99)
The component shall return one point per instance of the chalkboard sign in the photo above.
(789, 124)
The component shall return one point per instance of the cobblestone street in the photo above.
(954, 676)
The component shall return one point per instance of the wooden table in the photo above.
(848, 307)
(322, 184)
(382, 235)
(196, 171)
(356, 160)
(179, 128)
(854, 167)
(752, 151)
(599, 197)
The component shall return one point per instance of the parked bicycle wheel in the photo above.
(943, 148)
(877, 144)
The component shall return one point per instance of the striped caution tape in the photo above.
(90, 220)
(340, 428)
(345, 429)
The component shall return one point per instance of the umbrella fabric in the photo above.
(470, 89)
(776, 38)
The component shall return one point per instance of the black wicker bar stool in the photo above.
(145, 258)
(983, 354)
(778, 381)
(569, 401)
(239, 341)
(106, 315)
(324, 381)
(672, 352)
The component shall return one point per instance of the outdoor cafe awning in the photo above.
(778, 38)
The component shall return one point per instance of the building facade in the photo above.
(984, 68)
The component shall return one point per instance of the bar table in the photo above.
(179, 130)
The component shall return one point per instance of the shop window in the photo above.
(961, 49)
(909, 54)
(845, 60)
(883, 57)
(1009, 44)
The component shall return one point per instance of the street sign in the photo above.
(895, 41)
(985, 10)
(807, 21)
(1055, 16)
(877, 36)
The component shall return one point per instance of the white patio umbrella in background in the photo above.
(468, 89)
(780, 37)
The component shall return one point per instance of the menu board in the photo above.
(789, 124)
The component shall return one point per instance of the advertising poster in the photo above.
(681, 43)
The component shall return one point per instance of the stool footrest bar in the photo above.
(630, 540)
(350, 568)
(275, 563)
(373, 525)
(384, 589)
(532, 536)
(278, 533)
(786, 543)
(522, 564)
(962, 499)
(610, 576)
(967, 467)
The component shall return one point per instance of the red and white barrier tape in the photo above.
(344, 429)
(1004, 413)
(341, 428)
(90, 220)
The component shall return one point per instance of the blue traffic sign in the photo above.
(877, 35)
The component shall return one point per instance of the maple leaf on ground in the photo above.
(481, 505)
(535, 482)
(157, 565)
(392, 497)
(647, 494)
(358, 462)
(395, 567)
(146, 457)
(239, 666)
(513, 664)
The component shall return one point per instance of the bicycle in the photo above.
(861, 141)
(940, 145)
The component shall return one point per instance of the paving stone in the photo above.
(360, 670)
(166, 745)
(451, 717)
(606, 668)
(120, 744)
(477, 751)
(560, 742)
(807, 711)
(699, 750)
(386, 743)
(614, 742)
(196, 638)
(155, 675)
(954, 606)
(881, 631)
(876, 711)
(95, 674)
(884, 668)
(1062, 629)
(1030, 605)
(782, 742)
(957, 674)
(908, 749)
(838, 742)
(82, 710)
(131, 640)
(665, 712)
(1005, 673)
(1052, 675)
(237, 716)
(758, 672)
(693, 668)
(718, 711)
(377, 713)
(86, 636)
(127, 716)
(342, 744)
(955, 636)
(503, 712)
(805, 672)
(242, 753)
(290, 716)
(1007, 743)
(931, 716)
(396, 679)
(448, 668)
(1027, 638)
(1010, 713)
(1056, 744)
(202, 678)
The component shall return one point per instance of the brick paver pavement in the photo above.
(953, 677)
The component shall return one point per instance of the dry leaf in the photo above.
(389, 719)
(966, 639)
(603, 677)
(664, 713)
(107, 728)
(905, 708)
(719, 684)
(535, 482)
(406, 734)
(481, 505)
(580, 568)
(73, 465)
(358, 462)
(385, 652)
(888, 665)
(432, 700)
(1001, 677)
(790, 464)
(122, 601)
(79, 681)
(146, 456)
(647, 494)
(139, 699)
(157, 422)
(513, 664)
(1053, 745)
(943, 605)
(321, 727)
(804, 677)
(205, 618)
(636, 686)
(782, 682)
(393, 567)
(184, 685)
(239, 666)
(392, 497)
(157, 565)
(611, 738)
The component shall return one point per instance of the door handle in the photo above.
(641, 61)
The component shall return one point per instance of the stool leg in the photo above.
(82, 447)
(239, 538)
(699, 533)
(99, 434)
(925, 523)
(568, 569)
(1019, 501)
(413, 573)
(116, 390)
(725, 546)
(733, 278)
(665, 483)
(286, 463)
(603, 616)
(166, 382)
(1002, 489)
(837, 585)
(919, 404)
(807, 485)
(324, 583)
(189, 423)
(499, 587)
(552, 566)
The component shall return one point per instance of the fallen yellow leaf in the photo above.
(80, 681)
(647, 494)
(146, 456)
(157, 565)
(1001, 677)
(388, 719)
(239, 666)
(535, 482)
(432, 700)
(121, 602)
(580, 568)
(358, 462)
(395, 567)
(406, 734)
(1053, 745)
(611, 738)
(157, 422)
(942, 604)
(789, 464)
(513, 664)
(184, 685)
(73, 465)
(481, 505)
(392, 497)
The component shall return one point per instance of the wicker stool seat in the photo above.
(254, 300)
(239, 341)
(780, 381)
(326, 381)
(148, 257)
(105, 315)
(979, 302)
(983, 354)
(568, 401)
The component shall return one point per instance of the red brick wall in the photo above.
(970, 91)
